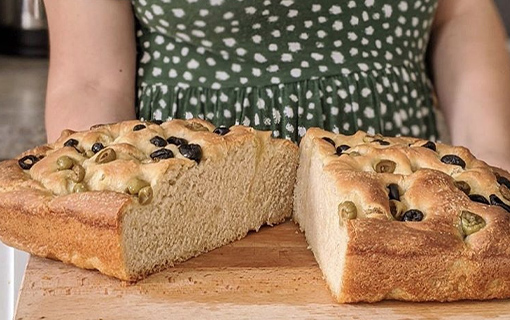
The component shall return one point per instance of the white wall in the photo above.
(12, 268)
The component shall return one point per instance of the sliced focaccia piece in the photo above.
(131, 198)
(403, 218)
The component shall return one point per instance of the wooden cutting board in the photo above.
(268, 275)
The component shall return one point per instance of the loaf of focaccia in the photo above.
(131, 198)
(403, 218)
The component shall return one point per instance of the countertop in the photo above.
(22, 94)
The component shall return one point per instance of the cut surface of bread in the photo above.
(403, 218)
(134, 197)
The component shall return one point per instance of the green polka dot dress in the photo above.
(288, 65)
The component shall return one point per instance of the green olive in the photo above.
(505, 192)
(397, 209)
(471, 222)
(106, 155)
(347, 210)
(64, 163)
(78, 173)
(89, 153)
(79, 187)
(195, 126)
(385, 166)
(135, 185)
(463, 186)
(145, 195)
(354, 154)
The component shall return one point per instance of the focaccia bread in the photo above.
(403, 218)
(131, 198)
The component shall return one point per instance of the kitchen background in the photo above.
(23, 72)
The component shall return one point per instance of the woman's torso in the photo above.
(288, 65)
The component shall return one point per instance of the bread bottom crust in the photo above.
(443, 277)
(41, 231)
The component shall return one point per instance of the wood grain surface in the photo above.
(268, 275)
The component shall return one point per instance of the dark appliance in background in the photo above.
(504, 10)
(23, 28)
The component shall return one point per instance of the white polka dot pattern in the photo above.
(285, 65)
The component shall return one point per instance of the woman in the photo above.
(285, 66)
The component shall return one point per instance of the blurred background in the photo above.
(23, 72)
(504, 9)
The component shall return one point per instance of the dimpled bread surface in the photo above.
(403, 218)
(137, 209)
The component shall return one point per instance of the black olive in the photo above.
(412, 215)
(453, 159)
(340, 149)
(139, 127)
(162, 154)
(382, 142)
(393, 191)
(503, 180)
(221, 130)
(158, 141)
(71, 143)
(177, 141)
(96, 147)
(157, 122)
(430, 145)
(495, 200)
(27, 162)
(191, 151)
(478, 198)
(329, 140)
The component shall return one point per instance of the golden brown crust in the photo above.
(432, 259)
(42, 225)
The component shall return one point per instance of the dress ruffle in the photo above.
(393, 101)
